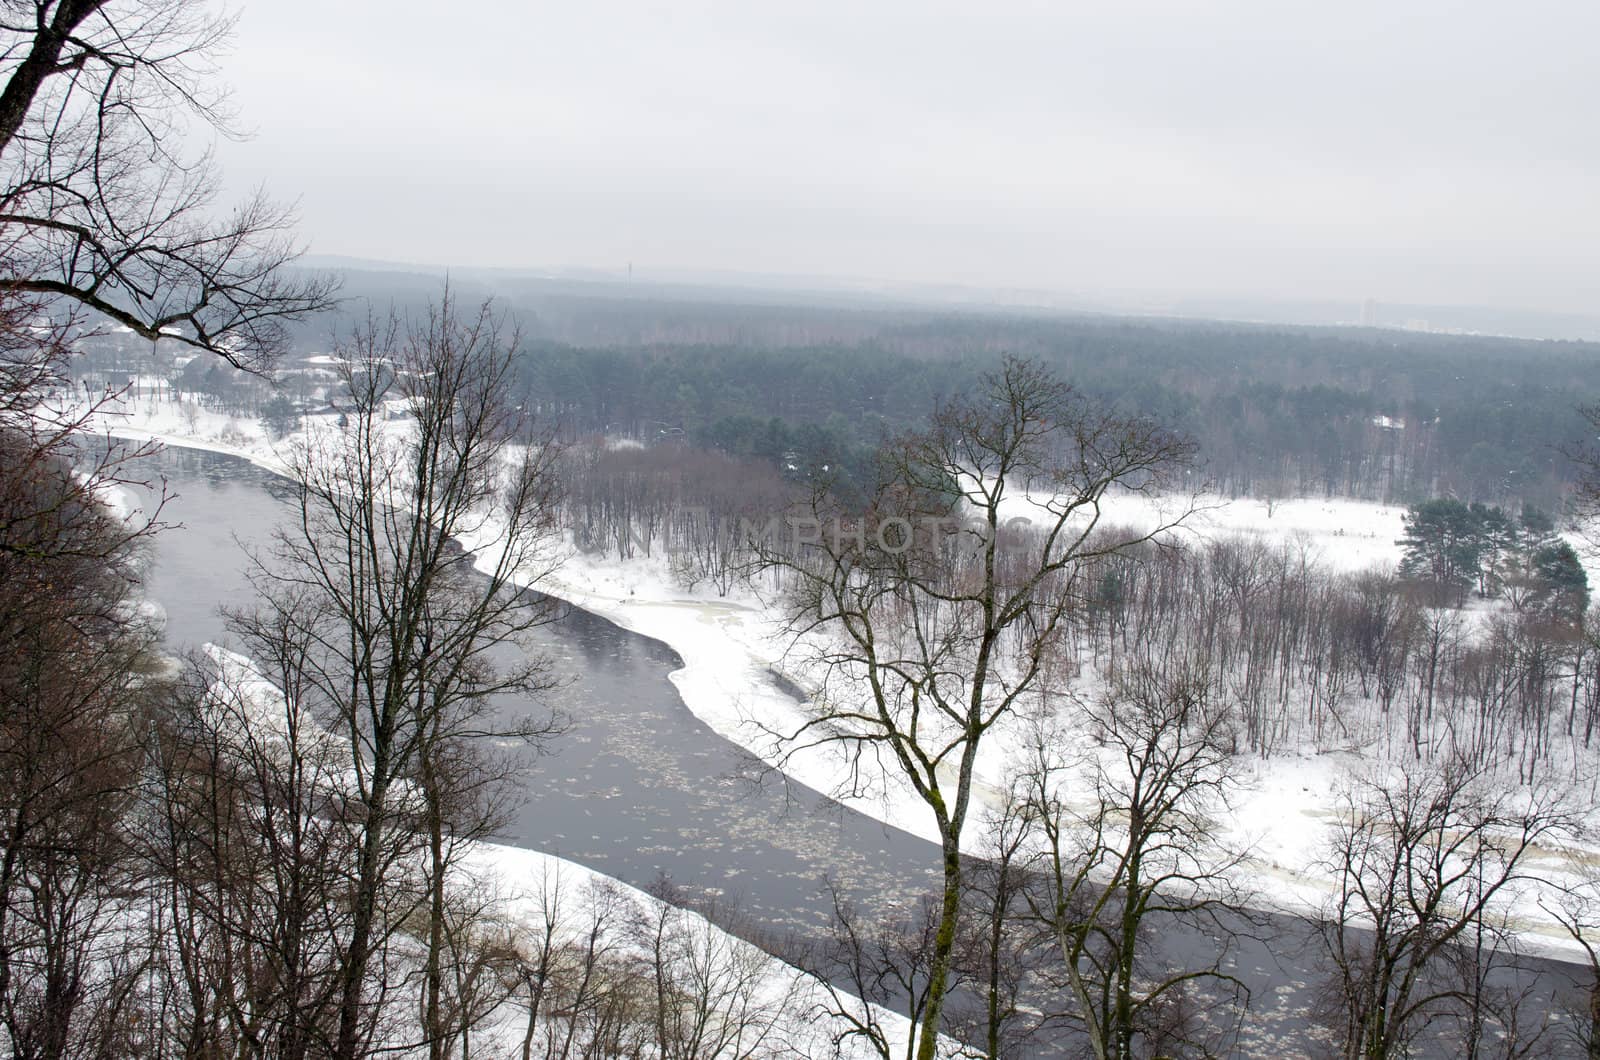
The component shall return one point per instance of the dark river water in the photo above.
(639, 787)
(636, 787)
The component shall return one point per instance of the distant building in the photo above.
(1369, 314)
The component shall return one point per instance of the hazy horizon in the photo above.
(1438, 155)
(717, 286)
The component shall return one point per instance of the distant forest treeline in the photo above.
(1275, 413)
(1373, 413)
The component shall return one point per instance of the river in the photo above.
(638, 787)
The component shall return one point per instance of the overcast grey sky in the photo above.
(1404, 151)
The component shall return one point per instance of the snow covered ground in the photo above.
(522, 883)
(1284, 813)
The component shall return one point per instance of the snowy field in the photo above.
(1283, 813)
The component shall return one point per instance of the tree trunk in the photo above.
(368, 880)
(944, 944)
(432, 1020)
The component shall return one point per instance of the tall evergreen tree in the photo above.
(1444, 546)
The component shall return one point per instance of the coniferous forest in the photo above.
(1377, 414)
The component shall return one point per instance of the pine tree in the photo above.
(1444, 546)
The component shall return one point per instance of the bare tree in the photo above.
(402, 637)
(932, 616)
(72, 696)
(867, 968)
(98, 207)
(579, 984)
(70, 710)
(249, 845)
(100, 220)
(1577, 909)
(1421, 864)
(54, 480)
(1003, 950)
(479, 956)
(712, 999)
(1141, 856)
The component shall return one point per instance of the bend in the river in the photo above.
(639, 787)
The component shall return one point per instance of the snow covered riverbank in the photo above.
(518, 883)
(1285, 810)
